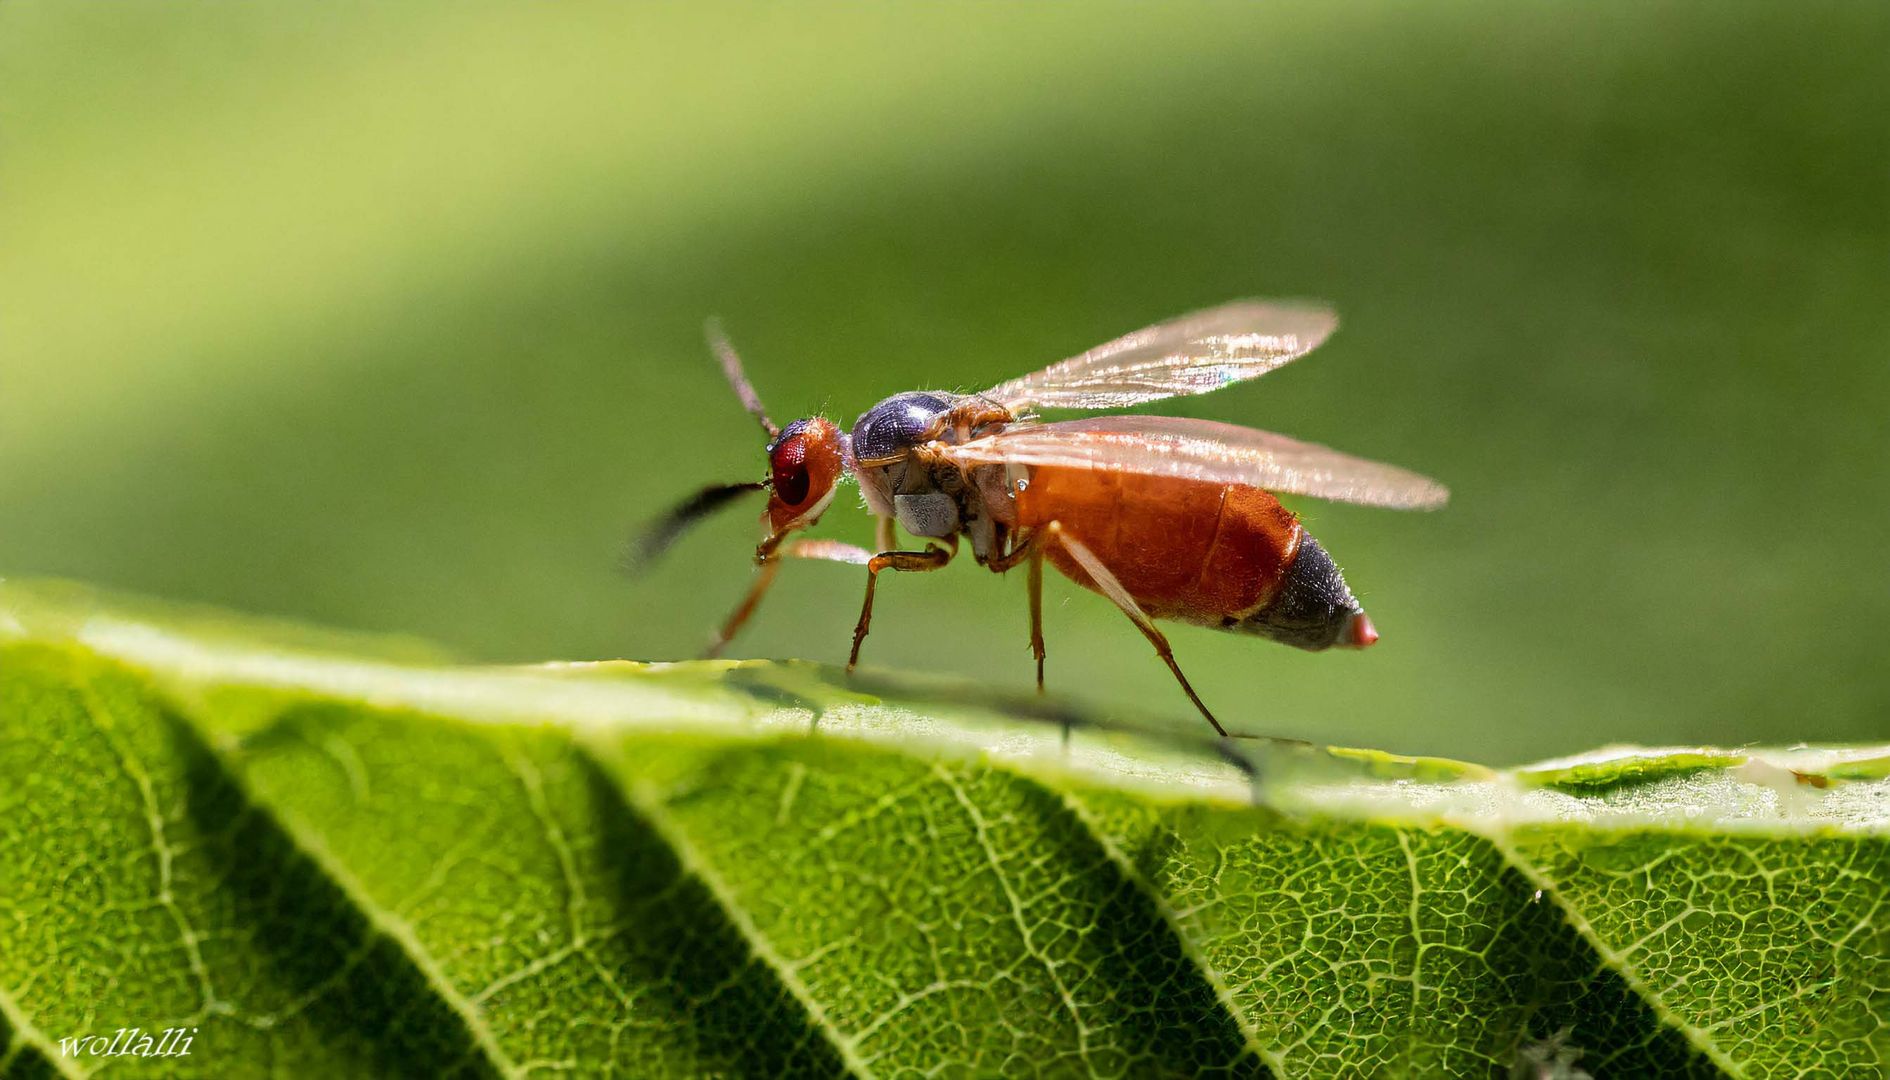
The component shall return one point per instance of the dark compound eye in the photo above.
(789, 465)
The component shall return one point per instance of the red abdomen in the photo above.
(1207, 553)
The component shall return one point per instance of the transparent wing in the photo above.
(1204, 450)
(1194, 354)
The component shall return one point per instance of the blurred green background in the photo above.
(388, 317)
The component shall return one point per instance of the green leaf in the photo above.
(325, 863)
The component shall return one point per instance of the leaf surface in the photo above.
(324, 863)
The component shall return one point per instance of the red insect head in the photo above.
(803, 464)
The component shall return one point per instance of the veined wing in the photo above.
(1204, 450)
(1193, 354)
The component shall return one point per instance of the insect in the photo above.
(1168, 518)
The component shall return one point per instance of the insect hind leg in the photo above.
(1107, 584)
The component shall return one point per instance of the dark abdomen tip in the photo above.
(1313, 609)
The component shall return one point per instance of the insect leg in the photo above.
(932, 558)
(766, 569)
(1036, 610)
(764, 577)
(1031, 548)
(1107, 584)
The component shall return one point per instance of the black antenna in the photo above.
(732, 367)
(656, 538)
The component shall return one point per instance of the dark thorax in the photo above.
(901, 479)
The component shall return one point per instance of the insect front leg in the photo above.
(933, 557)
(767, 567)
